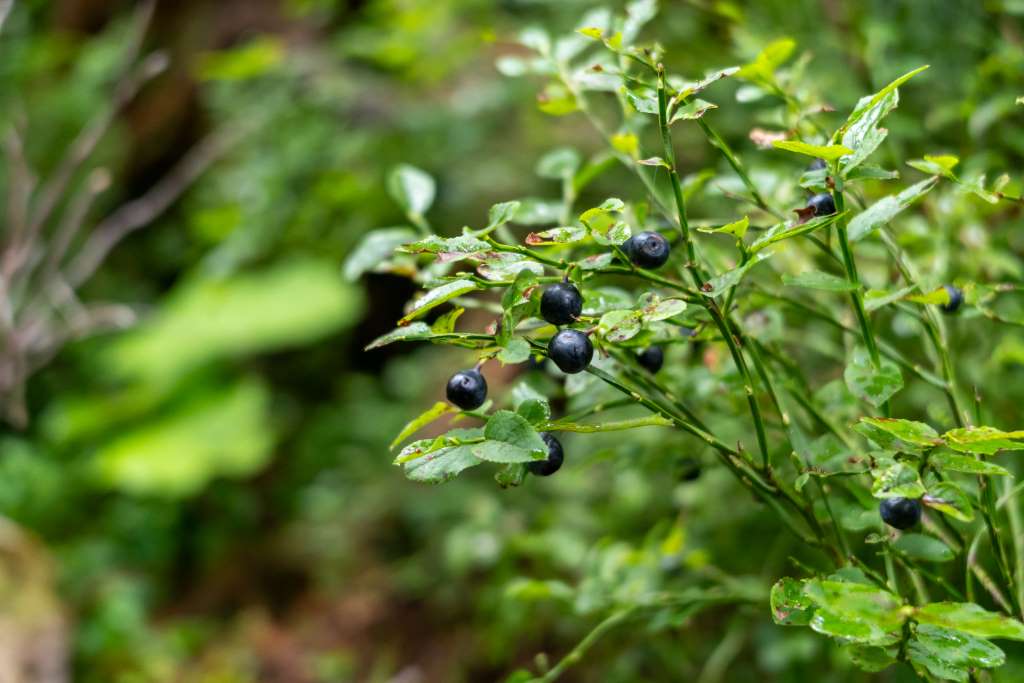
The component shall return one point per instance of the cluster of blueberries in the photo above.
(571, 350)
(899, 513)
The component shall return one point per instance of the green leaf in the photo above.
(414, 332)
(937, 296)
(411, 188)
(254, 58)
(864, 136)
(969, 618)
(871, 173)
(721, 284)
(533, 211)
(948, 498)
(500, 214)
(875, 298)
(226, 432)
(762, 69)
(556, 100)
(535, 410)
(884, 210)
(512, 474)
(866, 104)
(532, 590)
(663, 309)
(925, 548)
(790, 229)
(441, 465)
(941, 165)
(856, 611)
(559, 164)
(620, 325)
(463, 244)
(790, 607)
(876, 386)
(872, 658)
(510, 438)
(898, 435)
(694, 109)
(375, 247)
(643, 103)
(596, 262)
(896, 480)
(436, 297)
(437, 411)
(610, 205)
(699, 86)
(504, 452)
(950, 654)
(815, 279)
(654, 161)
(562, 235)
(517, 350)
(736, 228)
(205, 319)
(826, 152)
(984, 440)
(445, 324)
(952, 462)
(503, 270)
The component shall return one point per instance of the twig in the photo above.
(140, 212)
(90, 136)
(5, 11)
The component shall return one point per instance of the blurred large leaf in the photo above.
(223, 432)
(285, 305)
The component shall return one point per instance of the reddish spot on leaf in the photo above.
(804, 214)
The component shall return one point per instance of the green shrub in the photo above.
(829, 385)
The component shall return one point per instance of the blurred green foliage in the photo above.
(214, 488)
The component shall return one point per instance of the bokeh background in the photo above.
(195, 479)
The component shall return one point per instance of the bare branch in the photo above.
(74, 217)
(90, 136)
(142, 211)
(5, 11)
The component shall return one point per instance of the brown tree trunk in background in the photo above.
(34, 631)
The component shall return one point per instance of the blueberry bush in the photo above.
(798, 333)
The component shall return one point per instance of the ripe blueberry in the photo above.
(956, 297)
(900, 513)
(571, 350)
(551, 464)
(817, 165)
(647, 249)
(651, 359)
(467, 389)
(823, 204)
(561, 304)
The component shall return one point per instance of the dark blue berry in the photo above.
(647, 250)
(561, 304)
(822, 204)
(467, 389)
(553, 462)
(956, 297)
(571, 351)
(651, 359)
(817, 165)
(900, 513)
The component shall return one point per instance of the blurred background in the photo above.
(195, 480)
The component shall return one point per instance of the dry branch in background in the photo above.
(41, 268)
